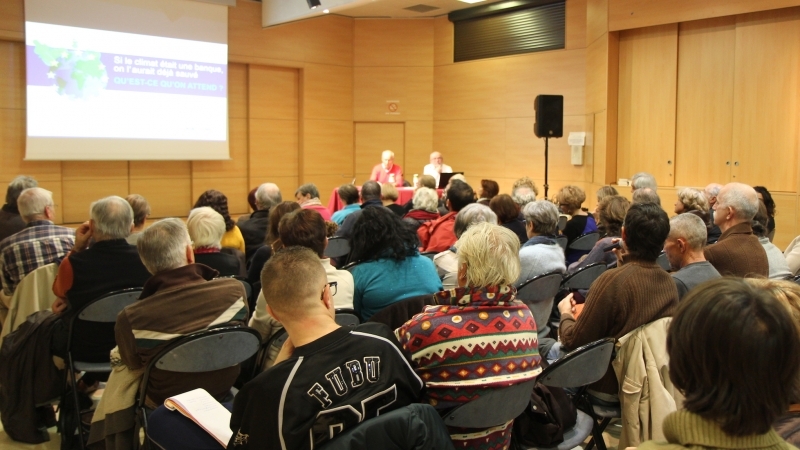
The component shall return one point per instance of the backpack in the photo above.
(549, 414)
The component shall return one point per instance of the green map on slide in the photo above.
(77, 73)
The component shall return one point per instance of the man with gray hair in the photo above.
(254, 230)
(10, 220)
(180, 298)
(646, 195)
(684, 249)
(738, 252)
(447, 261)
(39, 244)
(643, 180)
(711, 191)
(88, 272)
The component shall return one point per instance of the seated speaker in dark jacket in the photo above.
(254, 229)
(88, 272)
(206, 228)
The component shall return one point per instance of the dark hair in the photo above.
(308, 189)
(646, 227)
(734, 352)
(505, 207)
(305, 228)
(460, 195)
(371, 190)
(611, 211)
(348, 193)
(141, 209)
(380, 233)
(768, 201)
(251, 199)
(217, 201)
(489, 188)
(760, 221)
(276, 213)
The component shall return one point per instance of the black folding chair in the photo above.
(337, 247)
(562, 222)
(663, 261)
(562, 242)
(584, 242)
(347, 317)
(203, 351)
(275, 342)
(538, 293)
(504, 403)
(583, 277)
(104, 309)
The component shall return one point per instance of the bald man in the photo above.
(387, 171)
(436, 167)
(738, 252)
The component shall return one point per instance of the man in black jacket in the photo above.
(254, 230)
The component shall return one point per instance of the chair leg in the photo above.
(76, 401)
(597, 435)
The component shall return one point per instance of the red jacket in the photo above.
(438, 235)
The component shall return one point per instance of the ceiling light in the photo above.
(326, 11)
(312, 4)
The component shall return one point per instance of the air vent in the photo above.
(421, 8)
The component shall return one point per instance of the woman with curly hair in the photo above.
(570, 198)
(389, 267)
(690, 199)
(217, 201)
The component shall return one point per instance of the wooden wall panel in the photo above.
(12, 151)
(443, 41)
(648, 60)
(597, 57)
(12, 75)
(371, 139)
(11, 27)
(237, 164)
(766, 108)
(786, 224)
(524, 152)
(411, 87)
(576, 24)
(328, 149)
(419, 146)
(629, 14)
(237, 91)
(474, 146)
(165, 184)
(599, 146)
(596, 20)
(235, 189)
(471, 90)
(393, 42)
(273, 149)
(273, 93)
(328, 92)
(557, 72)
(706, 53)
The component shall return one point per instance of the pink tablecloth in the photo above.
(405, 194)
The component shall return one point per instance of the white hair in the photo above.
(522, 195)
(268, 195)
(388, 152)
(206, 227)
(32, 203)
(113, 218)
(689, 227)
(162, 246)
(491, 253)
(712, 190)
(17, 185)
(543, 215)
(742, 198)
(472, 214)
(643, 180)
(425, 199)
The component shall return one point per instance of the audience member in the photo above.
(606, 191)
(643, 180)
(711, 191)
(489, 189)
(437, 235)
(219, 202)
(425, 204)
(307, 196)
(738, 251)
(524, 191)
(778, 267)
(540, 254)
(766, 199)
(251, 200)
(684, 249)
(638, 292)
(645, 195)
(690, 199)
(206, 228)
(447, 261)
(792, 255)
(87, 273)
(322, 371)
(39, 244)
(443, 200)
(482, 308)
(330, 229)
(254, 229)
(141, 211)
(10, 220)
(180, 298)
(370, 198)
(387, 171)
(424, 181)
(348, 194)
(271, 241)
(436, 167)
(570, 199)
(611, 213)
(734, 353)
(389, 266)
(508, 215)
(389, 196)
(787, 293)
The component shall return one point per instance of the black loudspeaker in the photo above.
(549, 116)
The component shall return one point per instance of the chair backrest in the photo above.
(429, 255)
(580, 367)
(584, 242)
(504, 403)
(34, 293)
(562, 222)
(538, 294)
(562, 242)
(337, 247)
(347, 317)
(106, 307)
(584, 277)
(663, 261)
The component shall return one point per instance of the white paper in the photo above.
(204, 410)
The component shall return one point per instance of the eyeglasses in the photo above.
(333, 286)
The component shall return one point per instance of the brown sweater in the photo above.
(738, 253)
(620, 301)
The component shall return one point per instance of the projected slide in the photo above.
(86, 83)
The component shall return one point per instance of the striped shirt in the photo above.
(39, 244)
